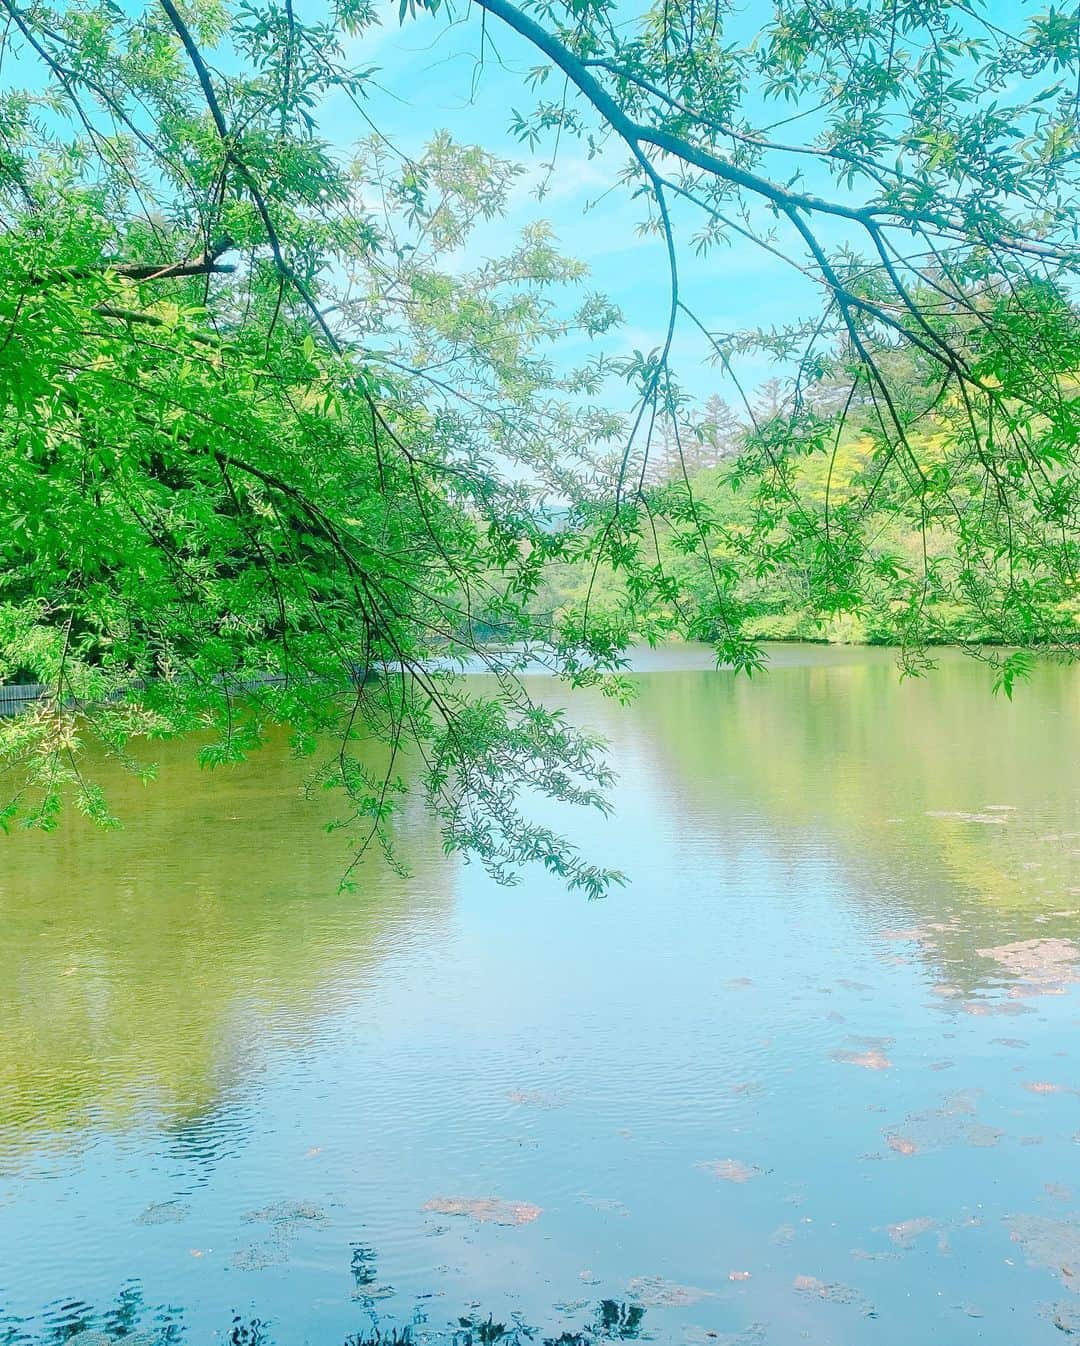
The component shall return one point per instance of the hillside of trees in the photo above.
(765, 527)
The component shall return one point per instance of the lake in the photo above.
(811, 1077)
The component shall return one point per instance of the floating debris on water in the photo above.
(731, 1170)
(1053, 1244)
(485, 1209)
(832, 1292)
(906, 1232)
(1066, 1318)
(873, 1059)
(288, 1214)
(258, 1256)
(164, 1212)
(982, 1008)
(754, 1335)
(285, 1219)
(954, 1123)
(654, 1292)
(1041, 965)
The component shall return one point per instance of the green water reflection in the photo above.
(964, 806)
(146, 961)
(145, 964)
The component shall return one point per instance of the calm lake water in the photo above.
(812, 1077)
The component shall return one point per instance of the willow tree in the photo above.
(270, 455)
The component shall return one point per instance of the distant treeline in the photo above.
(716, 466)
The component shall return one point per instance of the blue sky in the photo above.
(428, 80)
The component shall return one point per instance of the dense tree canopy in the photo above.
(272, 454)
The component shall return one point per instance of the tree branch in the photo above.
(635, 134)
(207, 265)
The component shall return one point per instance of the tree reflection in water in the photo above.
(129, 1321)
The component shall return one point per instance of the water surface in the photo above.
(810, 1077)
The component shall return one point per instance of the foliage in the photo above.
(928, 191)
(217, 518)
(789, 588)
(271, 455)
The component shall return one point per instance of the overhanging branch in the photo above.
(206, 265)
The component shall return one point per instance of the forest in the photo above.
(698, 463)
